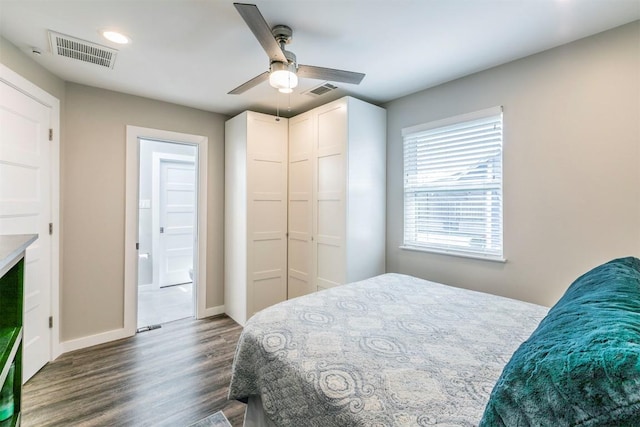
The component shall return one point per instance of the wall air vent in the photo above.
(82, 50)
(321, 90)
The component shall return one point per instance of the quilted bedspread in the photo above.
(392, 350)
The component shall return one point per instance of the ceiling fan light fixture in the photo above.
(283, 77)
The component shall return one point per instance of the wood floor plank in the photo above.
(172, 376)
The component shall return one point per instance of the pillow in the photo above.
(581, 366)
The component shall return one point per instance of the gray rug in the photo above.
(216, 420)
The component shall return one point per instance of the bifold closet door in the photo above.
(267, 211)
(329, 210)
(300, 269)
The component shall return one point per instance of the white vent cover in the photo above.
(321, 90)
(82, 50)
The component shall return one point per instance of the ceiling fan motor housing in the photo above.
(282, 34)
(278, 66)
(292, 64)
(291, 57)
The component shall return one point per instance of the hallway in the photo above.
(156, 306)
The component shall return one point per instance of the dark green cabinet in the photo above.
(12, 250)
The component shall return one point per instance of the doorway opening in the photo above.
(167, 231)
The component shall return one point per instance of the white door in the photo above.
(25, 208)
(301, 277)
(266, 211)
(177, 219)
(329, 210)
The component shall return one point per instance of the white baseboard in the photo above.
(116, 334)
(92, 340)
(213, 311)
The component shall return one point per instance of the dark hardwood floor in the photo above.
(172, 376)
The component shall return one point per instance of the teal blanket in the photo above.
(581, 366)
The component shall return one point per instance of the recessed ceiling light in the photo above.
(115, 37)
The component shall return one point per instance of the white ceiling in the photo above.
(192, 52)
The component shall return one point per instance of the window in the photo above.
(453, 185)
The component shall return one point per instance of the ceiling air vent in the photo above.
(321, 90)
(82, 50)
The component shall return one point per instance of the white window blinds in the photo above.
(453, 185)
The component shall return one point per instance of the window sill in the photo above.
(453, 253)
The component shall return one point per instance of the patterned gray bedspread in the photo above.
(393, 350)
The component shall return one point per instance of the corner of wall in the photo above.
(21, 63)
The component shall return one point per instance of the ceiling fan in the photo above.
(283, 68)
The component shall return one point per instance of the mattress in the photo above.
(393, 350)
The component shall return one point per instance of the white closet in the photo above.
(255, 213)
(337, 181)
(333, 159)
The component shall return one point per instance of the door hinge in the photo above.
(50, 228)
(50, 322)
(50, 134)
(137, 246)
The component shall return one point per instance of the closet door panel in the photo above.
(300, 278)
(332, 127)
(267, 216)
(267, 291)
(329, 214)
(268, 176)
(299, 251)
(330, 263)
(331, 173)
(330, 218)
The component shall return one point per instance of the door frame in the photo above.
(157, 159)
(13, 79)
(134, 133)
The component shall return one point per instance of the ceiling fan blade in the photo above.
(261, 30)
(251, 83)
(331, 74)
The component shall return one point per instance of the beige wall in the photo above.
(92, 160)
(22, 64)
(94, 182)
(571, 165)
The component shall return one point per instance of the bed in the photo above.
(390, 350)
(395, 350)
